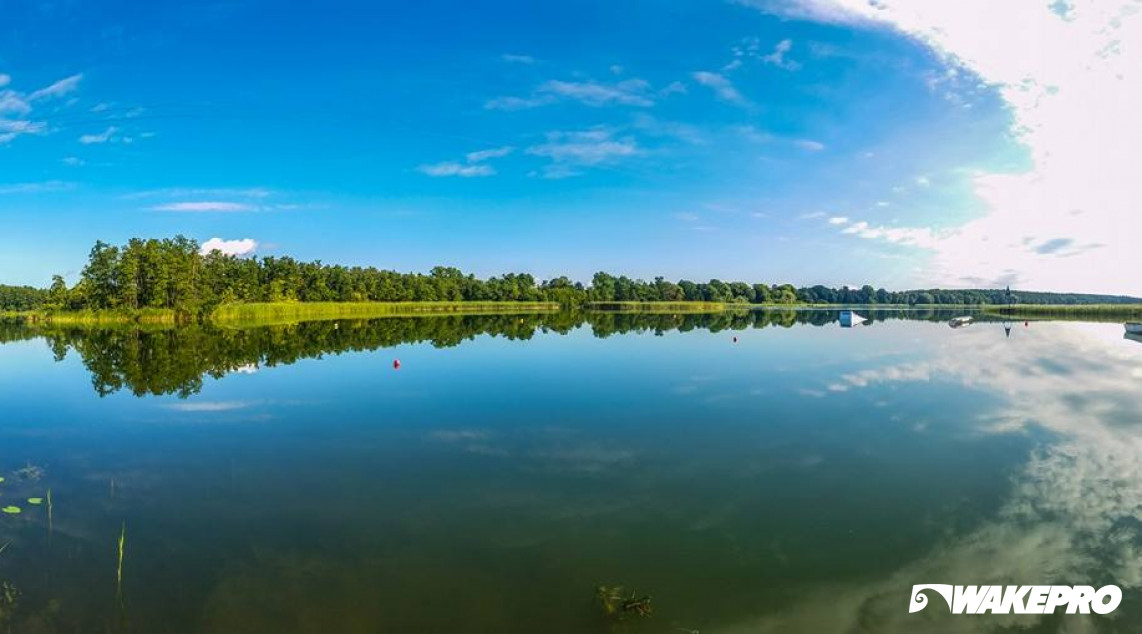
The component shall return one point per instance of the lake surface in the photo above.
(800, 479)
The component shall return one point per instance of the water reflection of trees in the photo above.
(175, 360)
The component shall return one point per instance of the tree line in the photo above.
(173, 274)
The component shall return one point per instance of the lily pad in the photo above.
(11, 510)
(35, 501)
(1, 478)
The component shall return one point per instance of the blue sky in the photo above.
(738, 140)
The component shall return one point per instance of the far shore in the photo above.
(270, 313)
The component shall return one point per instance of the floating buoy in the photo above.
(1026, 324)
(735, 339)
(396, 364)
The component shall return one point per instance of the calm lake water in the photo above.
(802, 479)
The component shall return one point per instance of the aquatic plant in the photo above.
(617, 604)
(119, 570)
(11, 510)
(30, 472)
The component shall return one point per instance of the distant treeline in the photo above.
(173, 274)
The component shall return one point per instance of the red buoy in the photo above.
(396, 364)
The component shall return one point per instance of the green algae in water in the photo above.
(11, 510)
(35, 501)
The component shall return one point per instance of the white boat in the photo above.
(850, 318)
(960, 322)
(1134, 328)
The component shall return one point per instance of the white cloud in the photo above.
(752, 133)
(12, 102)
(518, 103)
(483, 155)
(838, 220)
(722, 87)
(777, 57)
(185, 192)
(1071, 80)
(17, 104)
(204, 206)
(58, 89)
(476, 164)
(809, 145)
(245, 246)
(517, 59)
(909, 236)
(583, 148)
(10, 129)
(35, 188)
(450, 168)
(101, 137)
(629, 92)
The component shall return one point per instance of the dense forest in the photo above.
(174, 274)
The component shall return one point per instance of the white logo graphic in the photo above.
(1019, 599)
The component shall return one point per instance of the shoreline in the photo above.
(273, 313)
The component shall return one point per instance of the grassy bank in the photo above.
(1099, 312)
(97, 317)
(658, 307)
(287, 312)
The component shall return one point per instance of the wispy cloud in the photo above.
(101, 137)
(921, 237)
(58, 89)
(568, 151)
(517, 59)
(809, 145)
(475, 166)
(723, 88)
(629, 92)
(16, 106)
(451, 168)
(197, 206)
(243, 247)
(35, 188)
(10, 129)
(483, 155)
(778, 56)
(12, 102)
(202, 192)
(653, 126)
(838, 220)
